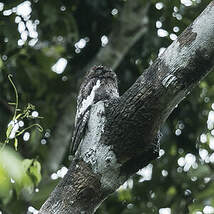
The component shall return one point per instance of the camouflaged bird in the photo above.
(99, 84)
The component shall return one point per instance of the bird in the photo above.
(99, 84)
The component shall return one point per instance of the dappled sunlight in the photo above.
(24, 9)
(161, 152)
(43, 141)
(211, 142)
(208, 210)
(203, 153)
(210, 121)
(26, 27)
(81, 44)
(32, 210)
(187, 162)
(159, 5)
(162, 33)
(114, 11)
(176, 29)
(127, 185)
(187, 3)
(104, 40)
(178, 132)
(1, 6)
(203, 138)
(47, 46)
(161, 50)
(206, 154)
(60, 66)
(173, 36)
(60, 173)
(164, 211)
(145, 173)
(158, 24)
(26, 136)
(164, 173)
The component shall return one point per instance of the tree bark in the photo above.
(122, 135)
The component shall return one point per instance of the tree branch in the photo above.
(122, 133)
(60, 139)
(141, 111)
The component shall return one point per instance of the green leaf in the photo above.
(10, 103)
(5, 185)
(18, 116)
(26, 164)
(16, 144)
(27, 185)
(35, 172)
(9, 129)
(125, 195)
(33, 169)
(1, 63)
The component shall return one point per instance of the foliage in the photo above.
(17, 175)
(34, 41)
(17, 122)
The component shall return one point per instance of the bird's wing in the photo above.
(79, 131)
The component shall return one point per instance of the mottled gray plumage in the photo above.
(99, 83)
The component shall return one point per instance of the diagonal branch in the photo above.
(141, 111)
(124, 131)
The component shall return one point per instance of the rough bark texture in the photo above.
(81, 194)
(122, 134)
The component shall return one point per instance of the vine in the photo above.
(15, 126)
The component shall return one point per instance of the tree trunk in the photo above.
(123, 134)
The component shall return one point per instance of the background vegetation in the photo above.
(45, 45)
